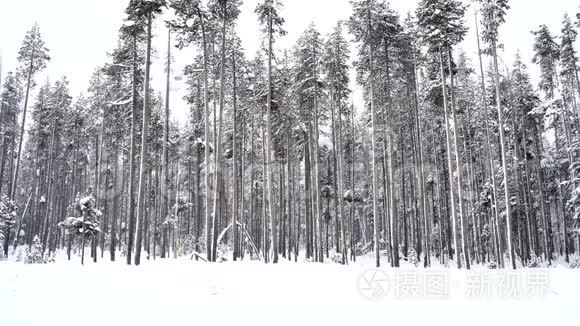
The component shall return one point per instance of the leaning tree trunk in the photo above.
(21, 138)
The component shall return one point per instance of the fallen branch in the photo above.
(221, 235)
(198, 255)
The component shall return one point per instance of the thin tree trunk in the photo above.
(235, 199)
(273, 226)
(307, 198)
(489, 151)
(449, 162)
(144, 135)
(374, 146)
(339, 179)
(165, 143)
(206, 134)
(131, 203)
(507, 197)
(542, 199)
(458, 165)
(21, 138)
(388, 135)
(116, 194)
(420, 171)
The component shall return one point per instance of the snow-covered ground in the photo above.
(186, 292)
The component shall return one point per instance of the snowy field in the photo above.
(186, 292)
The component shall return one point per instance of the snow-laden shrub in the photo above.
(124, 248)
(187, 245)
(7, 217)
(435, 239)
(169, 222)
(574, 203)
(21, 253)
(336, 258)
(180, 207)
(35, 255)
(412, 257)
(200, 242)
(575, 262)
(222, 253)
(534, 262)
(492, 265)
(361, 249)
(86, 220)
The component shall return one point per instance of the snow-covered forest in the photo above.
(393, 158)
(452, 159)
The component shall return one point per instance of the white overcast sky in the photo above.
(80, 33)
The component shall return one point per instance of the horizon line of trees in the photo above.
(449, 160)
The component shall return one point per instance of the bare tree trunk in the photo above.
(1, 99)
(242, 219)
(165, 156)
(217, 155)
(489, 151)
(289, 181)
(335, 175)
(542, 199)
(235, 199)
(116, 194)
(131, 203)
(144, 135)
(458, 165)
(252, 155)
(393, 220)
(503, 157)
(264, 197)
(352, 186)
(339, 179)
(374, 146)
(449, 162)
(206, 134)
(308, 198)
(21, 138)
(199, 200)
(273, 226)
(105, 216)
(420, 171)
(176, 228)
